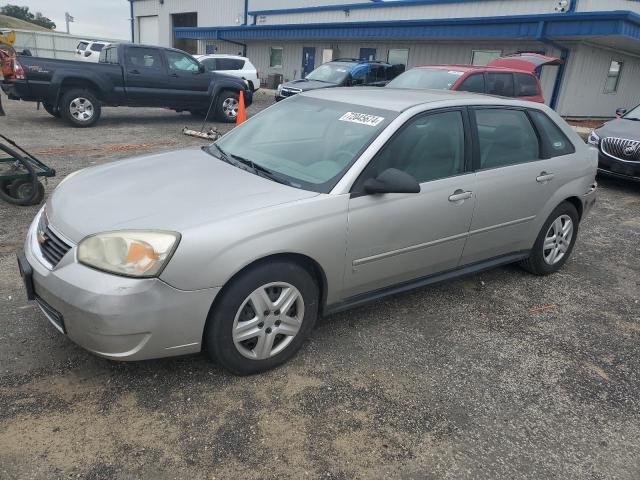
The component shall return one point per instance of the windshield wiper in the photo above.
(260, 170)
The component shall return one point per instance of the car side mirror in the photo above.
(392, 180)
(620, 112)
(201, 68)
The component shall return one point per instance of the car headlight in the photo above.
(594, 139)
(131, 253)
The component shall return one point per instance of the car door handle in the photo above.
(460, 196)
(545, 177)
(134, 72)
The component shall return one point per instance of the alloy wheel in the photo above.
(81, 109)
(558, 240)
(230, 107)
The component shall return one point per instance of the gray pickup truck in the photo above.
(127, 75)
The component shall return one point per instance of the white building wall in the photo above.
(280, 4)
(583, 84)
(210, 13)
(444, 10)
(608, 5)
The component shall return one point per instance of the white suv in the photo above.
(89, 51)
(233, 65)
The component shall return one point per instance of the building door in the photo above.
(185, 20)
(368, 54)
(308, 60)
(148, 30)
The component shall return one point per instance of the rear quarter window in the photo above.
(97, 47)
(554, 143)
(230, 64)
(526, 85)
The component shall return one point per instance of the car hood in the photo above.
(167, 191)
(306, 85)
(621, 128)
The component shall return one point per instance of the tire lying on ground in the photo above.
(80, 107)
(20, 192)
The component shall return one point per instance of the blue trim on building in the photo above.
(524, 27)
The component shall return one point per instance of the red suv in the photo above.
(511, 76)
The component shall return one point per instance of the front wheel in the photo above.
(262, 318)
(227, 106)
(81, 108)
(555, 241)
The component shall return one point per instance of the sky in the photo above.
(93, 18)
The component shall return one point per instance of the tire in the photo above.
(74, 108)
(278, 280)
(542, 260)
(21, 192)
(227, 106)
(51, 110)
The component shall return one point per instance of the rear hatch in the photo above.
(529, 62)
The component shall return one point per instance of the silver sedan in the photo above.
(320, 203)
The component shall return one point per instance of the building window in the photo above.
(613, 77)
(482, 57)
(275, 58)
(399, 56)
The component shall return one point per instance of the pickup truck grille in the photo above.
(621, 149)
(53, 248)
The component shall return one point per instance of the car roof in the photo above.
(221, 55)
(352, 61)
(469, 68)
(399, 100)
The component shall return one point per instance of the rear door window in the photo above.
(554, 142)
(230, 64)
(506, 137)
(500, 84)
(97, 47)
(526, 85)
(473, 83)
(144, 58)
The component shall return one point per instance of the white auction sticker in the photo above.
(362, 118)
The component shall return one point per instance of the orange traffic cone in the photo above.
(242, 111)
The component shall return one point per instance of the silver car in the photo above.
(320, 203)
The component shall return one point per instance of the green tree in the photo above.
(23, 13)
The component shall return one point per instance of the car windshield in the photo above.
(330, 72)
(427, 78)
(633, 114)
(308, 143)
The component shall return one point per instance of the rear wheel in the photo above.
(555, 241)
(227, 106)
(262, 318)
(81, 108)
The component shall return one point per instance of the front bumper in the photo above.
(618, 168)
(117, 317)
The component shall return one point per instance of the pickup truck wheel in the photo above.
(227, 106)
(51, 110)
(80, 108)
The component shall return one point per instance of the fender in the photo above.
(224, 82)
(105, 85)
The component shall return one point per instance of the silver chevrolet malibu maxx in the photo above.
(320, 203)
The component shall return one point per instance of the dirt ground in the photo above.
(500, 375)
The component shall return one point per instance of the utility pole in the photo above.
(68, 19)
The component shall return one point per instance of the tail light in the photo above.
(18, 71)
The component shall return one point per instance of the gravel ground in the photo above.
(500, 375)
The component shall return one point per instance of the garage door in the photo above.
(149, 30)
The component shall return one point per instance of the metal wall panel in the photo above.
(447, 10)
(210, 13)
(608, 5)
(583, 86)
(50, 44)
